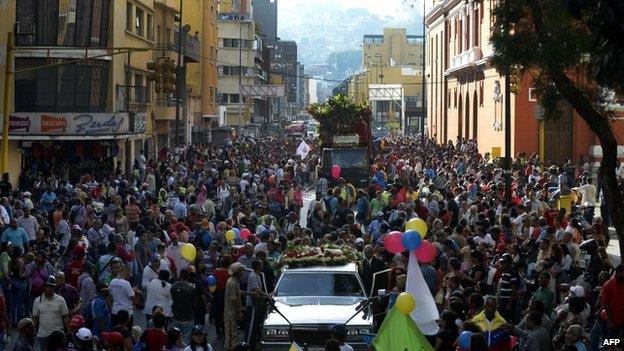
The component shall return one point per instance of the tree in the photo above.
(343, 87)
(574, 51)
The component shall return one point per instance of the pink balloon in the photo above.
(426, 252)
(244, 234)
(393, 242)
(335, 171)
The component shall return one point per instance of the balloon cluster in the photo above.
(411, 240)
(232, 234)
(211, 281)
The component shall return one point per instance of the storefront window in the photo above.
(73, 88)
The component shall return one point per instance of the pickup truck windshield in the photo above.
(319, 284)
(346, 158)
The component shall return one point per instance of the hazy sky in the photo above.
(383, 7)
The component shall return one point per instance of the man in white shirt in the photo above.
(588, 192)
(49, 313)
(120, 289)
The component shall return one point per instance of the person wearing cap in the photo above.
(26, 338)
(198, 341)
(84, 339)
(113, 341)
(233, 311)
(49, 313)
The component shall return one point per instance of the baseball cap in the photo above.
(84, 334)
(24, 322)
(578, 290)
(198, 329)
(154, 258)
(76, 322)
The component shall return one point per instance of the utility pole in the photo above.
(240, 75)
(7, 97)
(423, 92)
(179, 89)
(507, 171)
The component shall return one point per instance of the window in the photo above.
(150, 30)
(532, 95)
(129, 16)
(158, 34)
(140, 24)
(139, 89)
(234, 98)
(167, 38)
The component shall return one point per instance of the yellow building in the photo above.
(391, 79)
(393, 48)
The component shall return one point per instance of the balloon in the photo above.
(236, 232)
(418, 225)
(212, 281)
(244, 234)
(335, 171)
(411, 240)
(393, 243)
(207, 238)
(212, 288)
(464, 340)
(426, 252)
(604, 316)
(230, 235)
(405, 303)
(272, 180)
(188, 252)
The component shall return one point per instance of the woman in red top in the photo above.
(218, 304)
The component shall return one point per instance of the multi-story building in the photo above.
(284, 63)
(90, 114)
(236, 61)
(465, 94)
(391, 79)
(265, 14)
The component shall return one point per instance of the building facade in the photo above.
(465, 94)
(265, 13)
(284, 62)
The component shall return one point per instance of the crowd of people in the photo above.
(79, 259)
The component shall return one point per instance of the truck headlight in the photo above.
(276, 332)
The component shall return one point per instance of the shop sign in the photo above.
(139, 123)
(346, 140)
(70, 124)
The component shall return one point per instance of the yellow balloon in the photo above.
(230, 235)
(405, 303)
(188, 252)
(418, 225)
(212, 288)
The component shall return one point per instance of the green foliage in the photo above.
(569, 47)
(339, 115)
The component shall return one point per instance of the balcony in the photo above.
(135, 102)
(164, 109)
(234, 16)
(465, 60)
(191, 46)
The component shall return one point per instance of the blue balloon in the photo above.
(207, 238)
(237, 232)
(212, 281)
(464, 340)
(411, 240)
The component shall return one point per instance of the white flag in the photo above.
(426, 313)
(303, 149)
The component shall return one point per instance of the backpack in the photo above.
(88, 312)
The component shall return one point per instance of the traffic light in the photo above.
(163, 74)
(515, 77)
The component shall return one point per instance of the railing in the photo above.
(191, 47)
(468, 57)
(136, 101)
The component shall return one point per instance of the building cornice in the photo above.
(439, 10)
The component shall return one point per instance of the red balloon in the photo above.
(272, 180)
(426, 252)
(244, 234)
(335, 171)
(393, 242)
